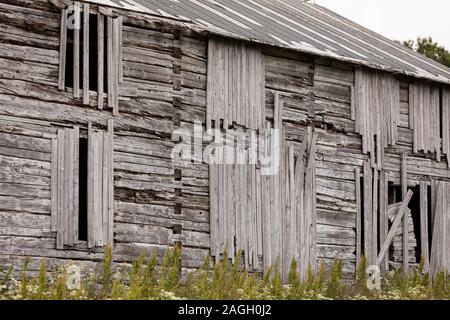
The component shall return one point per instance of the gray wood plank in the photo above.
(76, 183)
(424, 224)
(86, 54)
(404, 186)
(76, 51)
(100, 60)
(62, 50)
(358, 214)
(54, 187)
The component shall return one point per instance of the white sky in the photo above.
(398, 19)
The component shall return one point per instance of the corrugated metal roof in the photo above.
(293, 24)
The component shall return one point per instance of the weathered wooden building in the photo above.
(92, 91)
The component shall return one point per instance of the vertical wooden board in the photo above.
(436, 246)
(110, 61)
(263, 91)
(383, 220)
(120, 48)
(416, 116)
(314, 204)
(209, 84)
(431, 121)
(66, 187)
(70, 183)
(374, 231)
(421, 133)
(111, 181)
(85, 53)
(91, 188)
(54, 187)
(213, 207)
(358, 100)
(254, 219)
(259, 204)
(76, 183)
(221, 200)
(404, 186)
(100, 60)
(62, 50)
(115, 66)
(76, 50)
(105, 186)
(367, 210)
(358, 214)
(233, 83)
(426, 117)
(396, 108)
(293, 250)
(60, 233)
(424, 223)
(411, 104)
(352, 103)
(437, 124)
(99, 191)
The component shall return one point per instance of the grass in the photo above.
(148, 278)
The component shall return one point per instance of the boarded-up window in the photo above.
(66, 208)
(91, 54)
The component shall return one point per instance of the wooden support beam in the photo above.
(383, 218)
(358, 214)
(424, 224)
(404, 186)
(90, 178)
(367, 210)
(395, 225)
(76, 183)
(374, 231)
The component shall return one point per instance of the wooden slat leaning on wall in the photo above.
(86, 53)
(65, 187)
(76, 50)
(100, 186)
(62, 50)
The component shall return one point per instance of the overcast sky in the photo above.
(398, 19)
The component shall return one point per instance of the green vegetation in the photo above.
(431, 49)
(149, 278)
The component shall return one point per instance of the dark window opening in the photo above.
(83, 192)
(394, 194)
(414, 205)
(93, 55)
